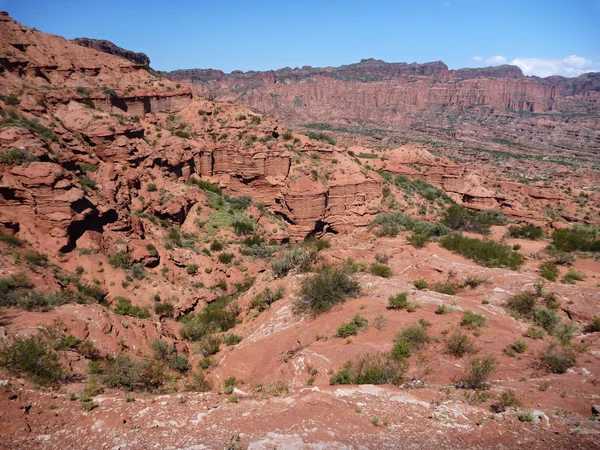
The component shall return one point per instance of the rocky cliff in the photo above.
(110, 48)
(492, 102)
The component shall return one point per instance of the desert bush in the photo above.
(413, 337)
(556, 359)
(458, 217)
(209, 345)
(420, 284)
(559, 257)
(522, 304)
(125, 308)
(593, 326)
(164, 309)
(325, 289)
(371, 369)
(398, 301)
(231, 339)
(526, 232)
(120, 259)
(179, 363)
(151, 187)
(460, 344)
(549, 271)
(296, 257)
(16, 156)
(263, 300)
(487, 253)
(192, 269)
(138, 271)
(320, 136)
(205, 185)
(216, 246)
(351, 328)
(417, 240)
(546, 318)
(519, 346)
(380, 270)
(447, 287)
(33, 358)
(242, 227)
(572, 276)
(576, 239)
(478, 372)
(508, 399)
(534, 333)
(472, 320)
(198, 382)
(444, 309)
(226, 258)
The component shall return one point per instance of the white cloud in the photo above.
(571, 66)
(495, 60)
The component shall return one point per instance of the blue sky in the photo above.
(543, 37)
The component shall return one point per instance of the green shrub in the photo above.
(346, 330)
(126, 373)
(371, 369)
(546, 318)
(418, 240)
(458, 217)
(152, 250)
(487, 253)
(415, 334)
(351, 328)
(164, 309)
(327, 288)
(572, 276)
(576, 239)
(138, 271)
(390, 224)
(594, 326)
(216, 246)
(120, 259)
(522, 304)
(525, 416)
(559, 257)
(459, 345)
(398, 301)
(192, 269)
(83, 91)
(151, 187)
(320, 136)
(266, 298)
(33, 358)
(380, 270)
(534, 333)
(472, 320)
(86, 181)
(16, 156)
(205, 185)
(478, 372)
(209, 345)
(555, 359)
(179, 363)
(526, 232)
(231, 339)
(448, 287)
(444, 309)
(36, 258)
(226, 258)
(420, 284)
(10, 239)
(198, 383)
(290, 259)
(125, 308)
(519, 346)
(242, 227)
(549, 271)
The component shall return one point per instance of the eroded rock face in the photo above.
(110, 48)
(426, 98)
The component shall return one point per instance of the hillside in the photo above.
(184, 272)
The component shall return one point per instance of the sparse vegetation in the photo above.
(33, 358)
(330, 286)
(371, 369)
(478, 372)
(487, 253)
(460, 344)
